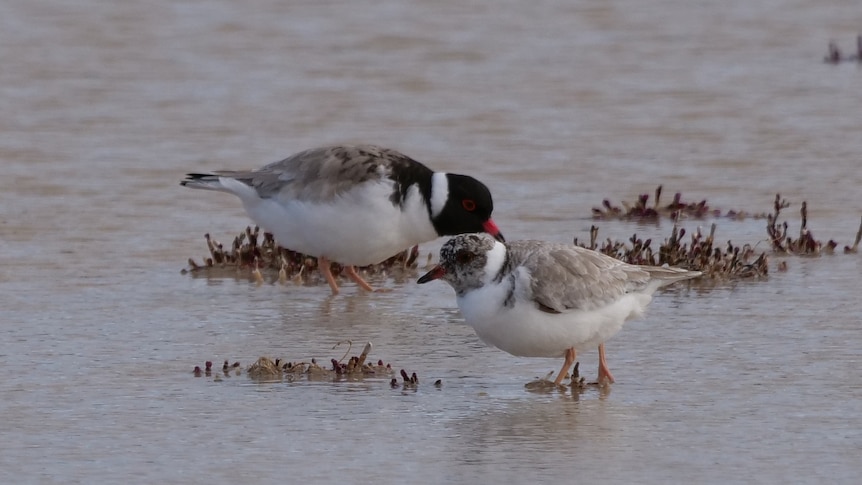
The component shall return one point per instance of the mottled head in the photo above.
(461, 204)
(468, 261)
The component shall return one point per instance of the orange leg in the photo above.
(324, 266)
(604, 372)
(570, 359)
(351, 272)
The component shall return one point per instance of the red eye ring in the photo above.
(469, 205)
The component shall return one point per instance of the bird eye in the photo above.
(469, 205)
(463, 257)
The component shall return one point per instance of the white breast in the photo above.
(524, 330)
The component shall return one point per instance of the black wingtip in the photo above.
(192, 177)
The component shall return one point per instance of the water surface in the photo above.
(555, 105)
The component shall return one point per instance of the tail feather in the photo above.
(665, 275)
(205, 181)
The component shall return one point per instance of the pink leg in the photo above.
(324, 266)
(604, 372)
(351, 272)
(570, 359)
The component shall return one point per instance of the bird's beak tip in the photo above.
(436, 273)
(491, 228)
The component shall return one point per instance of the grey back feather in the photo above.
(565, 277)
(320, 173)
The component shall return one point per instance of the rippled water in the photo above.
(556, 105)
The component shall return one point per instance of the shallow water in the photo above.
(555, 105)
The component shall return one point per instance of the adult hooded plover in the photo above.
(355, 205)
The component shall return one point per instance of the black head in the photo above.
(467, 209)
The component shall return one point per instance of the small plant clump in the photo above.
(805, 244)
(249, 251)
(356, 367)
(227, 368)
(576, 382)
(700, 254)
(409, 382)
(834, 55)
(676, 210)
